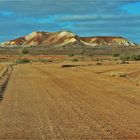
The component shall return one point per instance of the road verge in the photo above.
(4, 78)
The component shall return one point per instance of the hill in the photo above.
(65, 38)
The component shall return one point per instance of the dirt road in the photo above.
(49, 102)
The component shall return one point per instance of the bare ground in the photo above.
(50, 102)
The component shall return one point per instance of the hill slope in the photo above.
(65, 38)
(107, 40)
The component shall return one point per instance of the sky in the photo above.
(83, 17)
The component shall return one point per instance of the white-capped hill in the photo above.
(64, 38)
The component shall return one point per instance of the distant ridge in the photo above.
(65, 38)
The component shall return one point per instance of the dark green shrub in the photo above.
(124, 62)
(97, 60)
(42, 60)
(136, 57)
(70, 55)
(22, 61)
(98, 63)
(130, 57)
(125, 57)
(74, 60)
(67, 65)
(90, 55)
(24, 51)
(116, 55)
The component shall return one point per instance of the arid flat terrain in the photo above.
(2, 68)
(46, 101)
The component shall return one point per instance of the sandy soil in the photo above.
(50, 102)
(2, 68)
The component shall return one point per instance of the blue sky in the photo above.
(84, 17)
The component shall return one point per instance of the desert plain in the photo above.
(64, 99)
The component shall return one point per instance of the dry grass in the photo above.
(119, 74)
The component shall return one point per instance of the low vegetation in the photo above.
(130, 57)
(90, 55)
(22, 61)
(71, 55)
(98, 63)
(74, 60)
(116, 55)
(123, 62)
(24, 51)
(42, 60)
(119, 74)
(68, 65)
